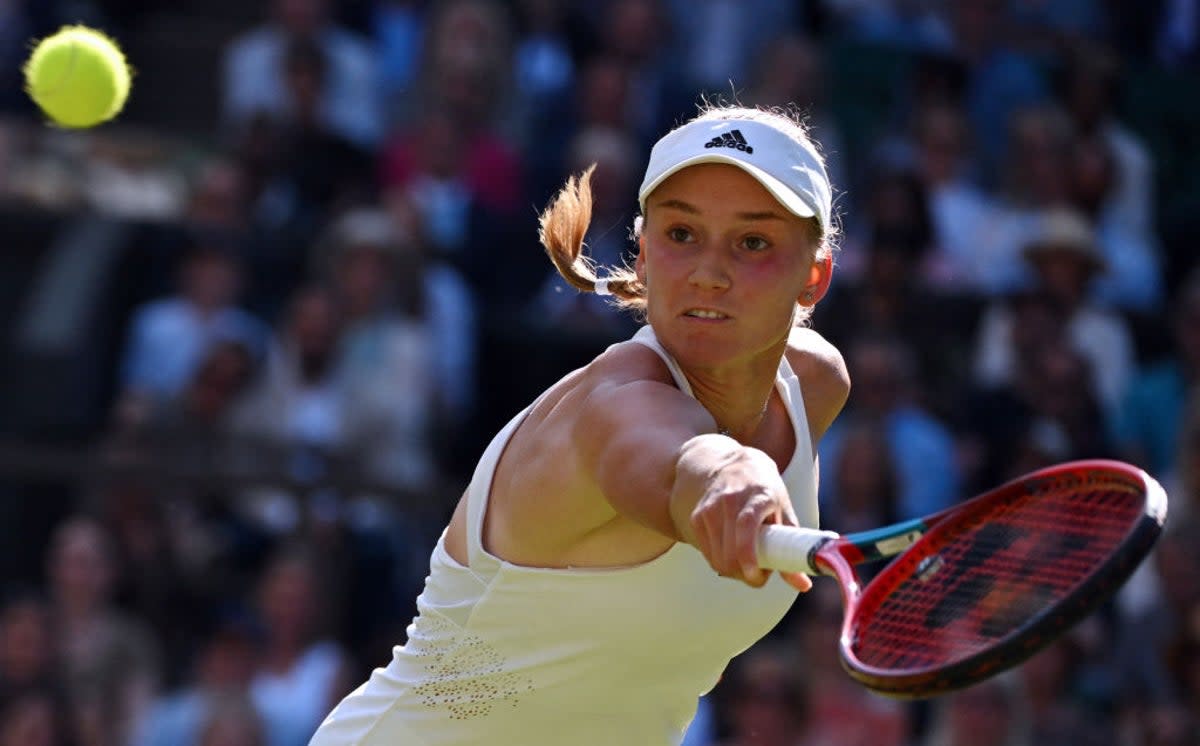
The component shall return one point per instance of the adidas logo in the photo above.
(732, 139)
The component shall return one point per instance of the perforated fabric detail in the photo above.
(466, 676)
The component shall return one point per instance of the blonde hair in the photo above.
(563, 225)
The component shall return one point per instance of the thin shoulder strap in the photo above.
(478, 492)
(645, 336)
(795, 401)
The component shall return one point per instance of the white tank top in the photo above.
(505, 654)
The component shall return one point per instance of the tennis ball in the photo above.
(78, 77)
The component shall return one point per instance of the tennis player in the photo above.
(600, 572)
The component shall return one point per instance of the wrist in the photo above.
(699, 463)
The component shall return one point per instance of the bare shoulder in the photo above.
(625, 363)
(824, 379)
(630, 383)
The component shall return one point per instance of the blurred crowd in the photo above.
(343, 288)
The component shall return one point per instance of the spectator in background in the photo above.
(599, 101)
(1000, 79)
(219, 196)
(223, 665)
(604, 95)
(545, 79)
(320, 166)
(763, 698)
(254, 73)
(233, 721)
(921, 446)
(892, 298)
(168, 338)
(789, 70)
(868, 488)
(990, 713)
(964, 217)
(468, 64)
(149, 583)
(1157, 610)
(1166, 724)
(1049, 408)
(190, 422)
(398, 28)
(407, 356)
(1062, 686)
(899, 23)
(1036, 178)
(1134, 281)
(301, 171)
(297, 409)
(109, 661)
(464, 185)
(639, 35)
(27, 646)
(302, 673)
(894, 205)
(464, 76)
(1153, 407)
(719, 40)
(35, 717)
(1089, 86)
(455, 160)
(1066, 262)
(545, 65)
(838, 710)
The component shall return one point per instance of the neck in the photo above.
(745, 432)
(738, 405)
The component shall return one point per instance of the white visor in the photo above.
(790, 170)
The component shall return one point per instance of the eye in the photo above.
(679, 235)
(755, 243)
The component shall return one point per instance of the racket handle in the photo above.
(791, 549)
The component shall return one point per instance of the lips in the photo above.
(705, 313)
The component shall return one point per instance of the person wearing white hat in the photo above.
(1066, 262)
(600, 571)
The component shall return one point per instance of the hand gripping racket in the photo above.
(981, 586)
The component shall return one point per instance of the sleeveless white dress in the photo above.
(507, 654)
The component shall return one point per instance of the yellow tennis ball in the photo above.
(78, 77)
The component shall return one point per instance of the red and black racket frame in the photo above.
(838, 558)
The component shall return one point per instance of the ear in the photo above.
(820, 274)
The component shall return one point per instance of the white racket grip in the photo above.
(789, 548)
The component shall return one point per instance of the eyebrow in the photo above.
(693, 210)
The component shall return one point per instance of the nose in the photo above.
(710, 272)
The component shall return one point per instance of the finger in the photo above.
(728, 551)
(749, 522)
(797, 580)
(711, 527)
(702, 538)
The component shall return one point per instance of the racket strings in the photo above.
(983, 578)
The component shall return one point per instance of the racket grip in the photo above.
(791, 549)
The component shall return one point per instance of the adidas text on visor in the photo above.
(790, 171)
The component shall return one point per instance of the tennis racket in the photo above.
(979, 587)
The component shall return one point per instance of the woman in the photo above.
(600, 571)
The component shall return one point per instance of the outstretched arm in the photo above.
(653, 453)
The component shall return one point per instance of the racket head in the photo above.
(997, 578)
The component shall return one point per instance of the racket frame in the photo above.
(837, 557)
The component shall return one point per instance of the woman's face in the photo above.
(724, 264)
